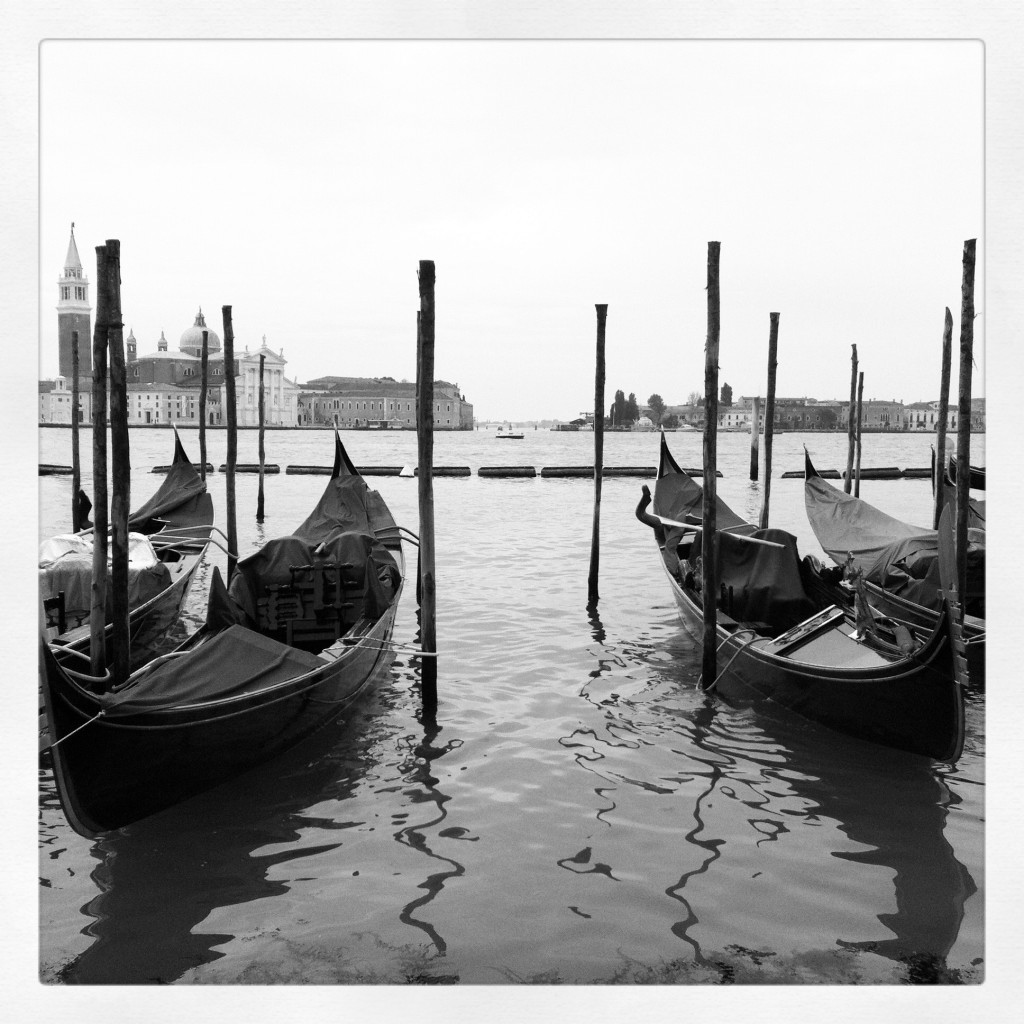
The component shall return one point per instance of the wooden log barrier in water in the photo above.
(507, 471)
(254, 467)
(709, 518)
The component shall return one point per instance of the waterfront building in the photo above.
(378, 402)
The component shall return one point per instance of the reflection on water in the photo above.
(573, 810)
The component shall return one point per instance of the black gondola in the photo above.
(168, 538)
(302, 630)
(778, 641)
(899, 562)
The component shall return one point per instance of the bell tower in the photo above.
(73, 313)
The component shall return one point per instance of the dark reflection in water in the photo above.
(161, 878)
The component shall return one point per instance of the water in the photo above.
(579, 813)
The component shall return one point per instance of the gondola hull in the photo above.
(117, 770)
(911, 704)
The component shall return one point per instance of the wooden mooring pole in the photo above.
(595, 536)
(755, 429)
(202, 404)
(963, 443)
(425, 444)
(76, 461)
(851, 432)
(120, 470)
(939, 467)
(709, 519)
(769, 413)
(232, 454)
(262, 451)
(98, 596)
(860, 425)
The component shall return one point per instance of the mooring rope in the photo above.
(739, 650)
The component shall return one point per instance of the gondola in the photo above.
(899, 562)
(300, 631)
(168, 537)
(778, 641)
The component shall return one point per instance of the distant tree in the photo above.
(618, 410)
(694, 398)
(671, 421)
(657, 405)
(632, 409)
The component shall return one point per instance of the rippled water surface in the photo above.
(578, 812)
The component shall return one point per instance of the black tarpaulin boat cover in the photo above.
(181, 484)
(890, 553)
(236, 661)
(677, 496)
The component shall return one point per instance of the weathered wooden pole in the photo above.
(232, 456)
(425, 444)
(262, 452)
(120, 470)
(709, 518)
(860, 424)
(76, 461)
(851, 431)
(754, 435)
(98, 597)
(963, 441)
(939, 468)
(202, 404)
(595, 536)
(769, 413)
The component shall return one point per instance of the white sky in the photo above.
(302, 182)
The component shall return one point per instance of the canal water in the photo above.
(579, 813)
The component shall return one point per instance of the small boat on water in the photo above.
(508, 435)
(898, 562)
(301, 630)
(779, 641)
(168, 537)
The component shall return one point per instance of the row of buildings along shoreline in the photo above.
(164, 388)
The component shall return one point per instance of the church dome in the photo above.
(192, 339)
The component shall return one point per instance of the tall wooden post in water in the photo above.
(851, 433)
(425, 444)
(769, 413)
(754, 433)
(120, 469)
(595, 537)
(229, 401)
(262, 452)
(963, 445)
(76, 461)
(98, 602)
(860, 425)
(939, 468)
(202, 404)
(709, 517)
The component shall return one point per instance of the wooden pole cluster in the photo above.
(76, 462)
(963, 446)
(98, 596)
(262, 452)
(202, 404)
(754, 434)
(769, 413)
(232, 454)
(860, 425)
(852, 425)
(425, 444)
(595, 537)
(939, 469)
(120, 468)
(709, 524)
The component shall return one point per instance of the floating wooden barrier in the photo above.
(511, 471)
(588, 471)
(881, 473)
(47, 469)
(252, 467)
(915, 474)
(196, 465)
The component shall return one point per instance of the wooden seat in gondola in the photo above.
(56, 614)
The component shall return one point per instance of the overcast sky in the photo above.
(302, 182)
